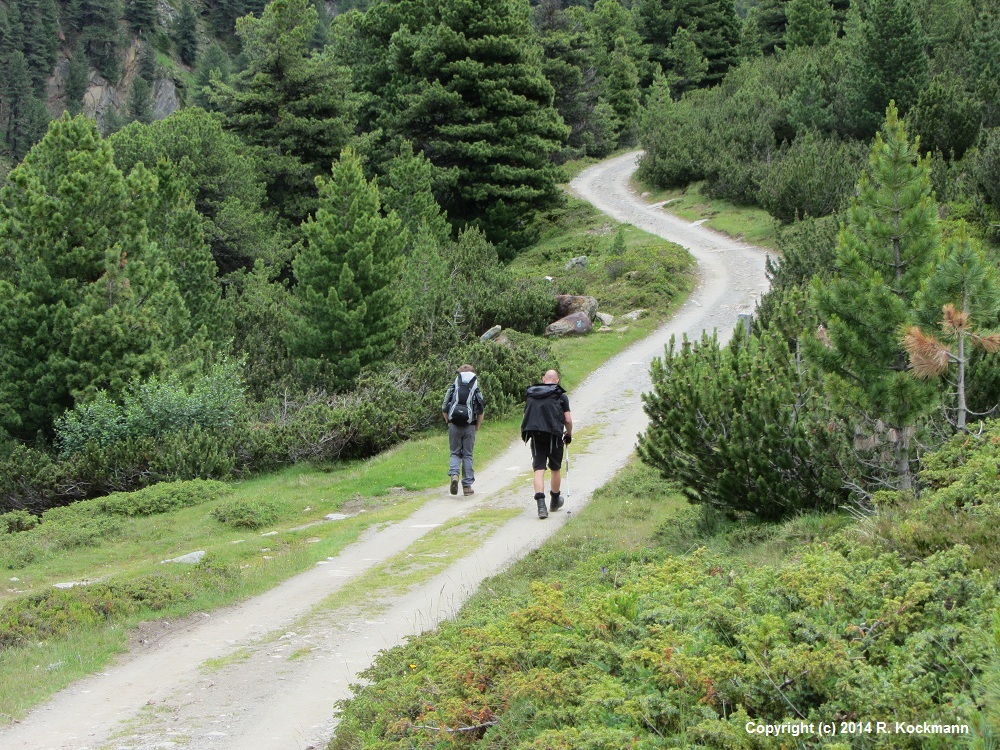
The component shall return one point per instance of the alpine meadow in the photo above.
(245, 246)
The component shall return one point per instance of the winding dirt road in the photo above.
(279, 663)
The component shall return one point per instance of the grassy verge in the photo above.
(747, 223)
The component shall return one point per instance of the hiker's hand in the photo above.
(567, 439)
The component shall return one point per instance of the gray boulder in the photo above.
(577, 324)
(578, 262)
(567, 304)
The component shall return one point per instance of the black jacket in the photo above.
(545, 409)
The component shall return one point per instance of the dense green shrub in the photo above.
(247, 514)
(814, 176)
(675, 138)
(31, 480)
(743, 428)
(505, 370)
(986, 166)
(54, 613)
(685, 651)
(153, 408)
(162, 498)
(17, 520)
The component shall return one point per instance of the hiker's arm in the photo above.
(479, 421)
(445, 402)
(569, 424)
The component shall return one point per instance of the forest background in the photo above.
(287, 268)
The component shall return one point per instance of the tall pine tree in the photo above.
(296, 105)
(94, 304)
(886, 61)
(462, 81)
(810, 23)
(98, 22)
(884, 254)
(347, 306)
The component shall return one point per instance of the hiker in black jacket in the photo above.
(463, 409)
(548, 425)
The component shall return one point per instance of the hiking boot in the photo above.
(556, 501)
(543, 512)
(454, 484)
(468, 490)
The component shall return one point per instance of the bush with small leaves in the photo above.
(247, 514)
(17, 520)
(162, 498)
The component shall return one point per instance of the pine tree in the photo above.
(946, 118)
(568, 49)
(94, 304)
(139, 107)
(148, 67)
(961, 300)
(712, 24)
(810, 23)
(887, 61)
(40, 21)
(142, 15)
(348, 311)
(467, 90)
(409, 194)
(429, 299)
(622, 92)
(25, 115)
(98, 22)
(186, 34)
(688, 67)
(312, 94)
(214, 62)
(884, 253)
(77, 80)
(809, 107)
(178, 230)
(223, 176)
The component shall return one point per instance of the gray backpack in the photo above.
(461, 412)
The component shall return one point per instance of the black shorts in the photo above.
(546, 449)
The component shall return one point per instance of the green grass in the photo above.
(626, 514)
(421, 561)
(747, 223)
(649, 273)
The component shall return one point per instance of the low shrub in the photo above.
(247, 514)
(743, 428)
(162, 498)
(684, 651)
(30, 479)
(17, 520)
(814, 176)
(505, 370)
(153, 408)
(54, 613)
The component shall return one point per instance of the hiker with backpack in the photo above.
(548, 425)
(463, 409)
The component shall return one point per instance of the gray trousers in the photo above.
(462, 439)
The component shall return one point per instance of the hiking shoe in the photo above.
(454, 484)
(543, 512)
(556, 502)
(468, 491)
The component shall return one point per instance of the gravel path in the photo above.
(279, 664)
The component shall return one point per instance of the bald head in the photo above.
(550, 377)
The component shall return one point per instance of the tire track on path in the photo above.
(287, 662)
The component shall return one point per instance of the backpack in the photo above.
(461, 412)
